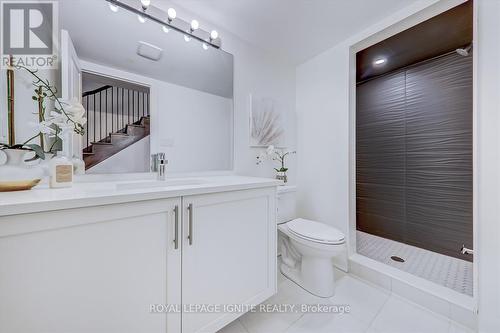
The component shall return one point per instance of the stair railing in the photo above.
(110, 109)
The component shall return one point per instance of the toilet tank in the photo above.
(286, 203)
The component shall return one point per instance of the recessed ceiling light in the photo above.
(380, 61)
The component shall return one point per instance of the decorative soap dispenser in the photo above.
(61, 171)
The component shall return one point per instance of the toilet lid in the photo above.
(316, 231)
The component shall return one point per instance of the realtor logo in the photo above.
(29, 33)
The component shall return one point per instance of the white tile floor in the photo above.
(372, 310)
(447, 271)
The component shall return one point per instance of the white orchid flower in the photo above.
(43, 127)
(75, 111)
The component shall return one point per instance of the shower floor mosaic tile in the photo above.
(450, 272)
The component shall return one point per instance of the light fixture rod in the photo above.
(162, 22)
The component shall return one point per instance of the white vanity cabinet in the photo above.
(93, 269)
(100, 268)
(228, 254)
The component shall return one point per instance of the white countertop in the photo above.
(103, 190)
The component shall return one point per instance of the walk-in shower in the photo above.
(414, 180)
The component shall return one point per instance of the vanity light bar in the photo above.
(168, 22)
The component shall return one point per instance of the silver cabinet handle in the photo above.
(190, 225)
(176, 227)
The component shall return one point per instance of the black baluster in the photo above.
(123, 109)
(87, 108)
(112, 111)
(106, 114)
(100, 115)
(93, 98)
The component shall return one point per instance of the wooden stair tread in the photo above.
(102, 143)
(116, 142)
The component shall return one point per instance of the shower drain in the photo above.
(398, 259)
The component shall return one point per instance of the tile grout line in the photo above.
(243, 325)
(370, 325)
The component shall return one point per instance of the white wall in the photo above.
(487, 51)
(194, 129)
(323, 107)
(259, 73)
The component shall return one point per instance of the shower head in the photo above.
(465, 51)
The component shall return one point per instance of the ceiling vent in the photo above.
(149, 51)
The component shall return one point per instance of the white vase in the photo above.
(15, 169)
(78, 165)
(44, 164)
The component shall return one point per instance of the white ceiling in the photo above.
(293, 29)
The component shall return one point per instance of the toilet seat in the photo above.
(315, 232)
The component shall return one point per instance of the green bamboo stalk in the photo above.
(10, 107)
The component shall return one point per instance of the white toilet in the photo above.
(307, 247)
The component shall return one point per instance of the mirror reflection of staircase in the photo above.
(117, 117)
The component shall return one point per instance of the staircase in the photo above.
(116, 119)
(115, 142)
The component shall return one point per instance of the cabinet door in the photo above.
(229, 254)
(95, 269)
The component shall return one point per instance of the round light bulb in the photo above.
(214, 34)
(194, 25)
(187, 38)
(172, 14)
(141, 18)
(205, 46)
(145, 3)
(113, 8)
(165, 29)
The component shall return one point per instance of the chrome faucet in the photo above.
(158, 165)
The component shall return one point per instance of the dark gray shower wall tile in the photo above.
(436, 182)
(434, 207)
(439, 219)
(381, 226)
(382, 176)
(380, 156)
(380, 192)
(392, 209)
(380, 111)
(381, 101)
(439, 154)
(392, 159)
(443, 84)
(450, 160)
(440, 240)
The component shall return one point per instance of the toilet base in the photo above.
(324, 288)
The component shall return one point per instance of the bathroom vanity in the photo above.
(136, 256)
